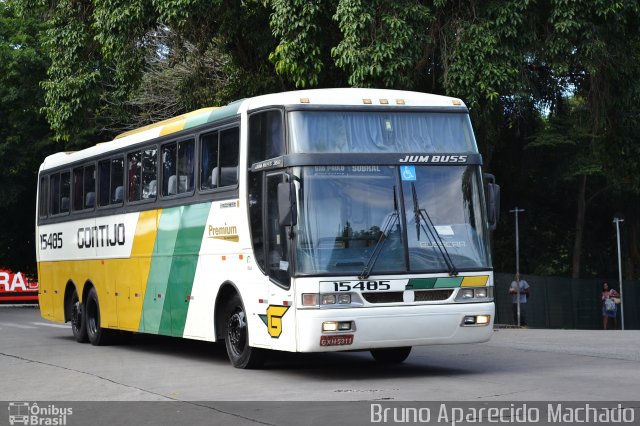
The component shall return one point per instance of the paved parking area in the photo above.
(41, 361)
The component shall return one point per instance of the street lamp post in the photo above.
(617, 221)
(516, 210)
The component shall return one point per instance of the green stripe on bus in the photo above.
(217, 114)
(196, 121)
(183, 268)
(155, 295)
(421, 283)
(448, 282)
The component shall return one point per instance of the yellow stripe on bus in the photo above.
(120, 283)
(167, 123)
(146, 232)
(476, 281)
(134, 272)
(173, 127)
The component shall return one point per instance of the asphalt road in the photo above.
(40, 361)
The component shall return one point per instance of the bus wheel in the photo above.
(78, 324)
(98, 336)
(391, 355)
(236, 338)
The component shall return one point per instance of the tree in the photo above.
(551, 85)
(101, 53)
(590, 49)
(24, 135)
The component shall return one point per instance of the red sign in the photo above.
(17, 287)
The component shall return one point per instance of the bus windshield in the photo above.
(380, 132)
(345, 209)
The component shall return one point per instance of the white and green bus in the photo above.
(306, 221)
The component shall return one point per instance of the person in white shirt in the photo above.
(524, 297)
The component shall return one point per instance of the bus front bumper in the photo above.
(393, 326)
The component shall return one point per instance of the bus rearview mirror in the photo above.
(492, 195)
(287, 205)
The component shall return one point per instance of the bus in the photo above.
(306, 221)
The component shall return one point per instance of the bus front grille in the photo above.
(383, 297)
(432, 295)
(396, 296)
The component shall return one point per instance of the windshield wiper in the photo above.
(421, 216)
(390, 220)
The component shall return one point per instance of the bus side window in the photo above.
(78, 181)
(185, 179)
(177, 167)
(266, 136)
(104, 189)
(54, 194)
(65, 191)
(43, 199)
(134, 174)
(89, 195)
(117, 180)
(84, 187)
(169, 186)
(208, 160)
(229, 153)
(266, 140)
(149, 173)
(277, 237)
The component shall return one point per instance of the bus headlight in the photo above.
(331, 300)
(481, 292)
(483, 319)
(474, 294)
(466, 293)
(344, 299)
(330, 326)
(475, 320)
(328, 299)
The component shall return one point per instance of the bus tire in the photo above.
(236, 337)
(78, 323)
(391, 355)
(97, 335)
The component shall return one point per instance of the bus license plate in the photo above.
(341, 340)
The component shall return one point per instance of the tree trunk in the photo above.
(577, 243)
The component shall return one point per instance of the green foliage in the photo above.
(568, 134)
(382, 41)
(484, 57)
(23, 134)
(296, 23)
(100, 52)
(120, 28)
(552, 85)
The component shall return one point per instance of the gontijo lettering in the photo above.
(101, 236)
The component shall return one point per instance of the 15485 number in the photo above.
(361, 285)
(51, 241)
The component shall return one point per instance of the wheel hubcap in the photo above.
(237, 331)
(92, 314)
(76, 315)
